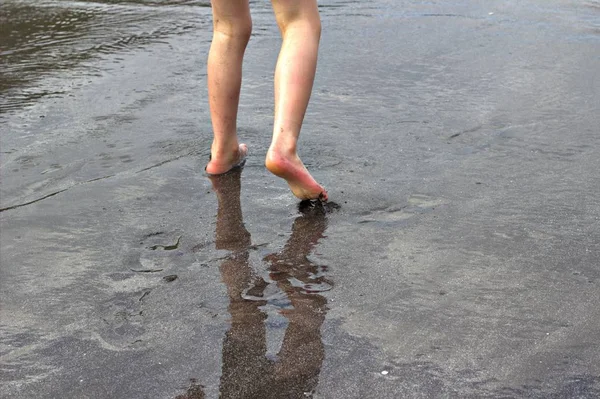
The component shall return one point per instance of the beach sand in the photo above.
(459, 141)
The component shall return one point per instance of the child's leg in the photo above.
(300, 27)
(232, 26)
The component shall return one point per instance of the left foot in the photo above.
(224, 163)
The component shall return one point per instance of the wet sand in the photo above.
(459, 139)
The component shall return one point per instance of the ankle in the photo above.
(284, 148)
(224, 149)
(277, 153)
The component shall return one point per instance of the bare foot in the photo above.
(291, 168)
(226, 162)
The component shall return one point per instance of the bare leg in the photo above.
(300, 27)
(232, 26)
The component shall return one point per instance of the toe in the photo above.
(323, 196)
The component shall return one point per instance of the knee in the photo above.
(239, 31)
(310, 26)
(298, 16)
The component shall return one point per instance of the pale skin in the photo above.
(300, 28)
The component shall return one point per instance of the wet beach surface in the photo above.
(459, 140)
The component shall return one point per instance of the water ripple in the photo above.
(37, 39)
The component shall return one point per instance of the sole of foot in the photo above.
(291, 169)
(218, 166)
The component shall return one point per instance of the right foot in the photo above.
(226, 162)
(291, 168)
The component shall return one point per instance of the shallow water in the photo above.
(42, 38)
(460, 140)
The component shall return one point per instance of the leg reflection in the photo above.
(244, 345)
(301, 356)
(247, 372)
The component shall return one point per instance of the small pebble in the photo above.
(384, 372)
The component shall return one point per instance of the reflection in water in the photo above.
(247, 370)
